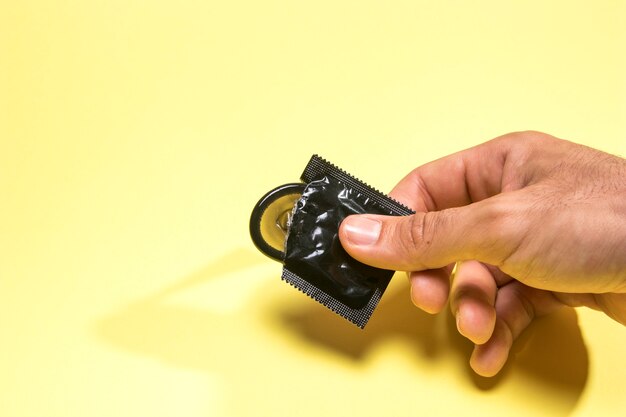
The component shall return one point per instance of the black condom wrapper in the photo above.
(314, 260)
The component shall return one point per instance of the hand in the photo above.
(535, 223)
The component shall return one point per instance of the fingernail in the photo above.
(362, 230)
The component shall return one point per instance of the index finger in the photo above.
(459, 179)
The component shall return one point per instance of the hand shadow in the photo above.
(551, 352)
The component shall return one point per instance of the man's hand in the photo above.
(535, 223)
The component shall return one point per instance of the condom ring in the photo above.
(270, 219)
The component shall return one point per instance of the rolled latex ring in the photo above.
(270, 218)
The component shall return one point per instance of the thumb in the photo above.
(482, 231)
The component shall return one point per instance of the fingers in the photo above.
(488, 231)
(458, 179)
(516, 306)
(472, 301)
(429, 289)
(492, 319)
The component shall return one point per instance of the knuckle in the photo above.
(423, 230)
(502, 222)
(409, 240)
(413, 237)
(431, 223)
(525, 142)
(529, 136)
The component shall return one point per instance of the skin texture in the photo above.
(532, 222)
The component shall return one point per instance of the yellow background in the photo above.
(135, 137)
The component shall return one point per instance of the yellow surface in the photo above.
(135, 137)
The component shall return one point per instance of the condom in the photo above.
(270, 218)
(298, 224)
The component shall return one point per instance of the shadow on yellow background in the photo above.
(551, 350)
(550, 360)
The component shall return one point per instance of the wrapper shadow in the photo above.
(395, 317)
